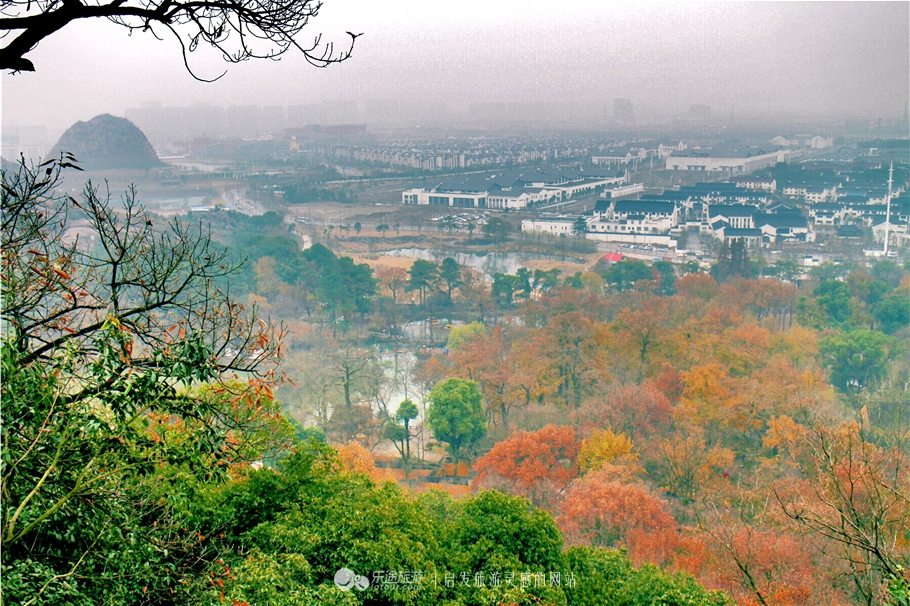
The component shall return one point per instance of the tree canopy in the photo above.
(118, 397)
(456, 413)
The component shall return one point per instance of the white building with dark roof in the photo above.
(828, 213)
(737, 216)
(784, 227)
(556, 226)
(510, 190)
(725, 161)
(752, 237)
(623, 217)
(757, 183)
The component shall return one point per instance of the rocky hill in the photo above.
(106, 142)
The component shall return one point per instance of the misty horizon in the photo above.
(412, 65)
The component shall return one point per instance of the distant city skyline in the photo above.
(822, 60)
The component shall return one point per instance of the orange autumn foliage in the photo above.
(771, 567)
(639, 411)
(745, 348)
(698, 286)
(533, 463)
(684, 464)
(668, 382)
(355, 458)
(602, 512)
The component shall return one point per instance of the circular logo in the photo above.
(345, 579)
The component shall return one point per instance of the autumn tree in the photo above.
(484, 359)
(104, 352)
(538, 464)
(354, 458)
(638, 411)
(852, 492)
(698, 285)
(394, 279)
(531, 376)
(597, 511)
(764, 564)
(460, 336)
(573, 342)
(603, 447)
(685, 464)
(768, 299)
(642, 330)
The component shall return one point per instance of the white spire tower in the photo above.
(888, 211)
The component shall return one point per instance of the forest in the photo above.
(204, 413)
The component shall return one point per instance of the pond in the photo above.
(487, 262)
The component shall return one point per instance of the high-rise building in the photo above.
(622, 111)
(700, 112)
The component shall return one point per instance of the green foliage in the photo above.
(504, 288)
(450, 276)
(733, 261)
(304, 193)
(899, 589)
(831, 271)
(407, 411)
(494, 528)
(834, 298)
(783, 270)
(893, 313)
(606, 576)
(282, 579)
(308, 434)
(497, 229)
(339, 284)
(624, 274)
(455, 414)
(322, 521)
(580, 227)
(546, 280)
(107, 434)
(96, 486)
(857, 359)
(666, 273)
(888, 271)
(421, 277)
(461, 335)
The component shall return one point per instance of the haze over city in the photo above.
(817, 60)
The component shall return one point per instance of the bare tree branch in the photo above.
(238, 29)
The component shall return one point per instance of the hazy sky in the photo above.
(817, 58)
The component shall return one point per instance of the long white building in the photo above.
(728, 162)
(510, 190)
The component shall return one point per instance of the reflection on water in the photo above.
(487, 262)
